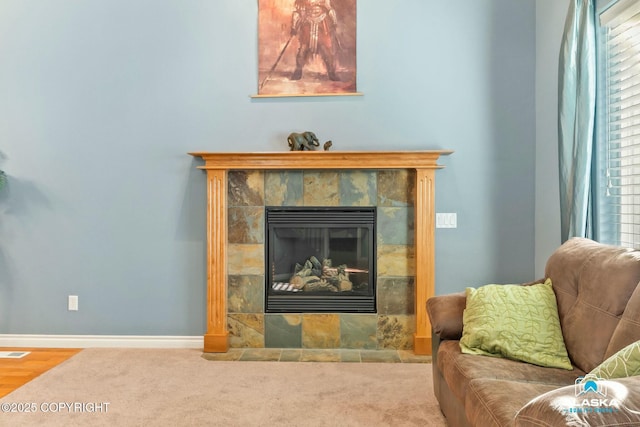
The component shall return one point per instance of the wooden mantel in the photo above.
(217, 165)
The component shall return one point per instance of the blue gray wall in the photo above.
(550, 17)
(101, 100)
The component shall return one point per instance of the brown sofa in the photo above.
(598, 298)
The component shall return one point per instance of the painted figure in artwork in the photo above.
(314, 22)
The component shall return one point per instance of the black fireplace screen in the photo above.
(320, 259)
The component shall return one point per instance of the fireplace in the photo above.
(320, 259)
(421, 164)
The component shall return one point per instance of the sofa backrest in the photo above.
(628, 329)
(593, 284)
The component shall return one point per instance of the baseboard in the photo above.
(105, 341)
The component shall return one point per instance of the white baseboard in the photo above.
(105, 341)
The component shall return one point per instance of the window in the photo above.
(618, 123)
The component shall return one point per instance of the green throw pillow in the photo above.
(624, 363)
(516, 322)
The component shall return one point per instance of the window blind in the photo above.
(620, 26)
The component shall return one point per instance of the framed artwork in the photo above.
(306, 48)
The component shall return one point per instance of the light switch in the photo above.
(446, 220)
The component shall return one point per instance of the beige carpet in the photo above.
(140, 387)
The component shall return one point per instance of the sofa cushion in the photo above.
(496, 402)
(516, 322)
(593, 283)
(628, 329)
(624, 363)
(459, 369)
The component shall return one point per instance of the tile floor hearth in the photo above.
(317, 355)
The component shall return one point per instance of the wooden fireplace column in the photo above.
(217, 165)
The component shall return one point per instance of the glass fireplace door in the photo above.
(320, 259)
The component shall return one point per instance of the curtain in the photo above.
(576, 118)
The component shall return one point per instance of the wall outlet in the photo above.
(446, 220)
(73, 302)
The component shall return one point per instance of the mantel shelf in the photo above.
(323, 160)
(217, 166)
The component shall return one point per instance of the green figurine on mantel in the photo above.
(305, 141)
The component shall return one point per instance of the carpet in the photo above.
(177, 387)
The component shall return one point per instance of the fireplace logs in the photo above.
(316, 276)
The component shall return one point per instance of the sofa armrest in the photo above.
(445, 314)
(620, 406)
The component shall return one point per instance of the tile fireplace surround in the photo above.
(239, 185)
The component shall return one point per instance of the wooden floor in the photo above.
(15, 373)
